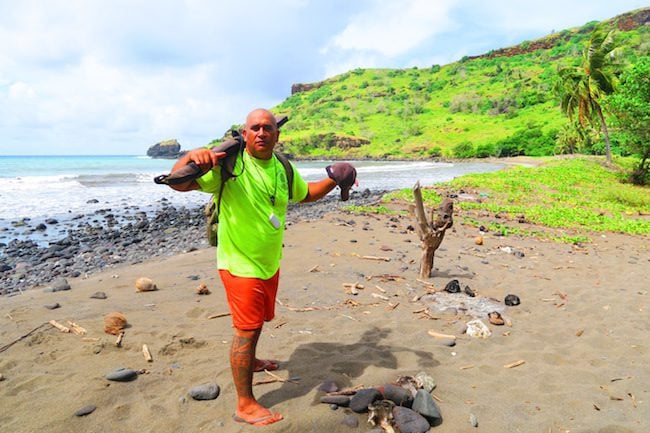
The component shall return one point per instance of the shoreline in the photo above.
(118, 237)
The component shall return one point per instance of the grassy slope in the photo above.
(414, 113)
(576, 194)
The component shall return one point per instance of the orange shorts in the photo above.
(251, 300)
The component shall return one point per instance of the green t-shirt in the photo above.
(249, 244)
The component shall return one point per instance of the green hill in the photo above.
(479, 106)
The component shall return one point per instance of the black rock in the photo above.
(512, 300)
(51, 221)
(41, 227)
(398, 395)
(424, 404)
(207, 391)
(52, 306)
(469, 292)
(5, 268)
(339, 400)
(86, 410)
(122, 375)
(453, 287)
(360, 401)
(99, 295)
(409, 421)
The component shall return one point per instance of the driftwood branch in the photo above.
(432, 231)
(22, 337)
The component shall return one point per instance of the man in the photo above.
(251, 227)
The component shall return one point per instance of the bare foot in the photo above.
(258, 417)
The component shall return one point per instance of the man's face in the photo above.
(261, 134)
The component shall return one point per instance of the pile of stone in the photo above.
(405, 405)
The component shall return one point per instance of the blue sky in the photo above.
(116, 76)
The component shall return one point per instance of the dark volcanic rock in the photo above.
(409, 421)
(452, 287)
(90, 245)
(165, 149)
(427, 407)
(360, 401)
(122, 375)
(339, 400)
(398, 395)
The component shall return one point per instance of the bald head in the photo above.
(258, 113)
(261, 133)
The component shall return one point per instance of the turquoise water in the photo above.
(62, 187)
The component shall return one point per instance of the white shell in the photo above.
(476, 328)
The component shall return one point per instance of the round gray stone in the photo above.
(86, 410)
(206, 391)
(122, 375)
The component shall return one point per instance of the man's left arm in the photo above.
(319, 189)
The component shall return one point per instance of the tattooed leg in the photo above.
(242, 363)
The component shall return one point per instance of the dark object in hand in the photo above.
(344, 174)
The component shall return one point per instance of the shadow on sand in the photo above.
(314, 363)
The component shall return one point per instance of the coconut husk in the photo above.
(144, 284)
(114, 323)
(202, 289)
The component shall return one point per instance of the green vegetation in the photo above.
(583, 87)
(631, 108)
(498, 104)
(577, 194)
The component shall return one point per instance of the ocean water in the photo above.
(64, 187)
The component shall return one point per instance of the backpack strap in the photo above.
(288, 169)
(227, 172)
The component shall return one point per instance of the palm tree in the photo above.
(582, 87)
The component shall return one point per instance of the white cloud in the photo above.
(392, 28)
(79, 76)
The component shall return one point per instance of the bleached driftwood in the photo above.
(432, 231)
(59, 326)
(147, 353)
(120, 337)
(76, 329)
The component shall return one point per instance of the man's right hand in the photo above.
(204, 158)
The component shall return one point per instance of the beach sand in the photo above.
(581, 330)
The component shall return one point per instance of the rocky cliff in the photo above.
(169, 149)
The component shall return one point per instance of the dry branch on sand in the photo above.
(431, 232)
